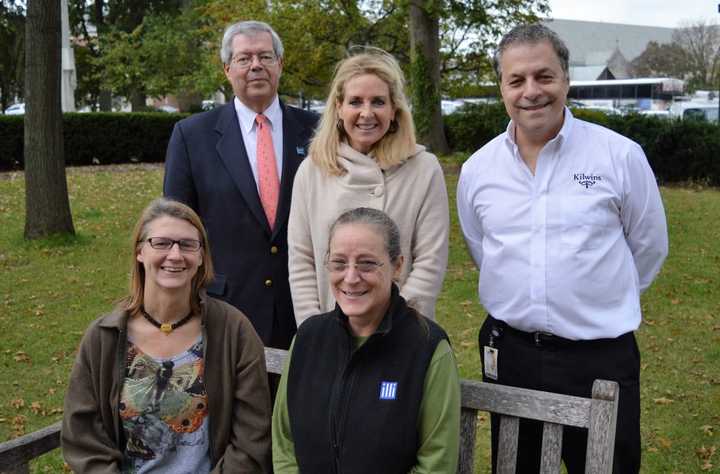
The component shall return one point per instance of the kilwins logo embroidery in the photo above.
(587, 180)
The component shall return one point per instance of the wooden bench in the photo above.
(598, 414)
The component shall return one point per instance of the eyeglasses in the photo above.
(164, 243)
(364, 266)
(245, 60)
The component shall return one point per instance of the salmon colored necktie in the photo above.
(269, 183)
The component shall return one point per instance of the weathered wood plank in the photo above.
(524, 403)
(601, 432)
(21, 450)
(551, 448)
(508, 444)
(468, 428)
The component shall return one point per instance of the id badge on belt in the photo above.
(490, 355)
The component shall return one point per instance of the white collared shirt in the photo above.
(248, 127)
(568, 250)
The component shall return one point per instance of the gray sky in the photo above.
(637, 12)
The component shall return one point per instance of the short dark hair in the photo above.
(532, 34)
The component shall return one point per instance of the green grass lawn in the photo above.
(51, 289)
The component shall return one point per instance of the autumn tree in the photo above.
(701, 43)
(469, 29)
(47, 208)
(661, 60)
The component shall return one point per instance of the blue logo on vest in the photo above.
(388, 390)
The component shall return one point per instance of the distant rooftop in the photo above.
(592, 43)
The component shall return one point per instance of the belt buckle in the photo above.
(539, 335)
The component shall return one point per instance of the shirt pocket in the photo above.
(585, 222)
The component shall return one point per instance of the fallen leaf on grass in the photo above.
(35, 407)
(18, 424)
(664, 442)
(706, 466)
(21, 356)
(707, 429)
(652, 449)
(662, 401)
(17, 403)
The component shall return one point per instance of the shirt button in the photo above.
(274, 249)
(268, 283)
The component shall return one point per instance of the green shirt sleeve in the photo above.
(439, 423)
(283, 447)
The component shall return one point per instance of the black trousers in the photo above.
(559, 365)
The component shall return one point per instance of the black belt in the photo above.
(541, 338)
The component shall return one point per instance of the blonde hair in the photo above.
(162, 207)
(394, 147)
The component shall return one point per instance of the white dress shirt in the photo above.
(248, 127)
(568, 250)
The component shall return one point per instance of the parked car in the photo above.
(16, 109)
(663, 114)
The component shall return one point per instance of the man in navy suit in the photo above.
(212, 165)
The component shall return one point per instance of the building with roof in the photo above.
(601, 51)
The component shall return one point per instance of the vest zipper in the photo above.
(338, 409)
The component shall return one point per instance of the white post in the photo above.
(68, 77)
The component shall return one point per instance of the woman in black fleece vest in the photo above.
(371, 386)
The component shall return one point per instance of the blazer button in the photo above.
(274, 249)
(268, 283)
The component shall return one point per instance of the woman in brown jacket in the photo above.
(171, 380)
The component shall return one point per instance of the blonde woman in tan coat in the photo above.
(364, 154)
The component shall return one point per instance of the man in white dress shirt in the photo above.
(565, 223)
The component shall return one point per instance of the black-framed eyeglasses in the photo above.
(165, 243)
(363, 266)
(245, 60)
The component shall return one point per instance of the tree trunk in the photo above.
(425, 74)
(105, 101)
(137, 102)
(47, 208)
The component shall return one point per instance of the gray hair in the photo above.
(532, 34)
(248, 28)
(382, 223)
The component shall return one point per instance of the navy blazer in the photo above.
(207, 168)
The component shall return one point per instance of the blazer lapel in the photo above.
(231, 149)
(294, 152)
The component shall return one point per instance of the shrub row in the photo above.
(678, 151)
(97, 138)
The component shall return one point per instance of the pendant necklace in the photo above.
(167, 328)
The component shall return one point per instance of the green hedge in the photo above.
(97, 138)
(678, 151)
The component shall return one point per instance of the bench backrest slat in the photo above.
(468, 430)
(551, 448)
(508, 444)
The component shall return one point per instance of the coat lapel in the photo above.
(231, 149)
